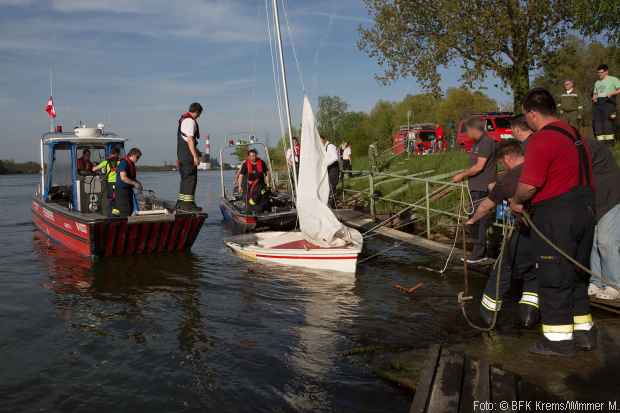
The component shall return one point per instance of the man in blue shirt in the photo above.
(125, 183)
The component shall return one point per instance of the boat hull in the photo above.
(105, 237)
(245, 223)
(328, 259)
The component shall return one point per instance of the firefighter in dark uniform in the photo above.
(125, 183)
(188, 157)
(557, 179)
(604, 115)
(517, 261)
(254, 182)
(570, 106)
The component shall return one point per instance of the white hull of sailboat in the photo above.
(290, 249)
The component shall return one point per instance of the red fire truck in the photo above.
(419, 138)
(497, 125)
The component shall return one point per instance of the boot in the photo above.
(196, 207)
(186, 206)
(487, 315)
(546, 347)
(529, 315)
(585, 340)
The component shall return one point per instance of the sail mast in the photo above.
(284, 86)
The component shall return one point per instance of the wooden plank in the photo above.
(471, 383)
(528, 391)
(446, 392)
(484, 384)
(425, 383)
(503, 385)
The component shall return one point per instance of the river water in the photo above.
(204, 331)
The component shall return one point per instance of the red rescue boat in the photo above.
(70, 208)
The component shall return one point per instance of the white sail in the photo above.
(316, 221)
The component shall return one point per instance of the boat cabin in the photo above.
(67, 160)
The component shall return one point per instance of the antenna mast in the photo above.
(286, 104)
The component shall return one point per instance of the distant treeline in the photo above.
(11, 167)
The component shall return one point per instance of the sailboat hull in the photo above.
(290, 249)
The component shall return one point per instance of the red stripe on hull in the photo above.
(184, 234)
(175, 232)
(142, 238)
(132, 239)
(199, 220)
(163, 236)
(81, 247)
(120, 239)
(154, 237)
(296, 257)
(111, 237)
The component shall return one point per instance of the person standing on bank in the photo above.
(570, 106)
(125, 183)
(333, 169)
(108, 169)
(480, 174)
(517, 262)
(346, 158)
(188, 134)
(557, 179)
(605, 257)
(604, 105)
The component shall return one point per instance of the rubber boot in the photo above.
(545, 347)
(196, 207)
(529, 315)
(487, 315)
(586, 340)
(187, 206)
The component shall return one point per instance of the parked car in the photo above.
(497, 126)
(419, 138)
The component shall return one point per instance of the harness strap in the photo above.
(584, 164)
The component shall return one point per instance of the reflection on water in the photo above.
(204, 331)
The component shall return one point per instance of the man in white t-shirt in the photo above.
(346, 157)
(333, 169)
(188, 157)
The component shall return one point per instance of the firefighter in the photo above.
(125, 183)
(516, 262)
(257, 177)
(188, 157)
(570, 107)
(108, 169)
(480, 174)
(604, 105)
(84, 164)
(557, 179)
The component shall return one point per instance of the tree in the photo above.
(509, 38)
(459, 103)
(331, 111)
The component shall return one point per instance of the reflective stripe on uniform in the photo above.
(558, 332)
(186, 198)
(583, 322)
(491, 304)
(605, 137)
(529, 298)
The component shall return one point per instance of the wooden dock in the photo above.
(452, 382)
(362, 222)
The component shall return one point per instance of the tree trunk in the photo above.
(520, 84)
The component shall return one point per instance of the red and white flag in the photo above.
(50, 109)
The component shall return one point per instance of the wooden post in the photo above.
(371, 189)
(428, 212)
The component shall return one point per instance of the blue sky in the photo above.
(135, 65)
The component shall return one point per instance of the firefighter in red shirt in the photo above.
(557, 180)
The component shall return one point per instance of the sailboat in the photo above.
(323, 242)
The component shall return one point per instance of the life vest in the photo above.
(183, 152)
(131, 168)
(112, 164)
(297, 151)
(254, 175)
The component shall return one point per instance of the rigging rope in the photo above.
(290, 36)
